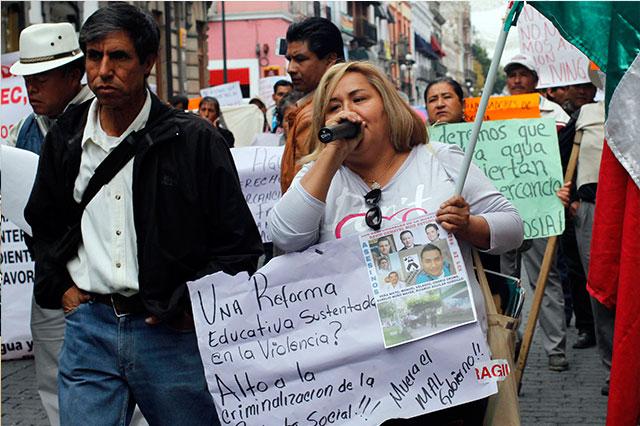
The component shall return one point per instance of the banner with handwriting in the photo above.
(557, 61)
(299, 342)
(259, 173)
(17, 288)
(522, 159)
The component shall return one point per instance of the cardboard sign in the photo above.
(522, 159)
(226, 94)
(557, 61)
(299, 341)
(259, 173)
(504, 107)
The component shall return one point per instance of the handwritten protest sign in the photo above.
(299, 341)
(557, 62)
(17, 287)
(418, 279)
(522, 159)
(259, 173)
(504, 107)
(226, 94)
(13, 96)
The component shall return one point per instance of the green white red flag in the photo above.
(609, 34)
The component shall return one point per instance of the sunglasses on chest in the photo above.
(373, 217)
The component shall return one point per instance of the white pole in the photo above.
(486, 93)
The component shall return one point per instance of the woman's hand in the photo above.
(318, 179)
(564, 192)
(454, 215)
(343, 147)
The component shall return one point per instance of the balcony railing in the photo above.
(366, 32)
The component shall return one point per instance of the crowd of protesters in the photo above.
(118, 246)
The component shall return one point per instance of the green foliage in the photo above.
(387, 310)
(480, 54)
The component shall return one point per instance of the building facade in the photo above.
(182, 61)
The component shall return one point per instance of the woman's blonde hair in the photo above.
(406, 128)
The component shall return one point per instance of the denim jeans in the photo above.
(108, 364)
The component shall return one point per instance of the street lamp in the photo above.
(469, 85)
(405, 66)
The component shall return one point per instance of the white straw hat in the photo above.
(44, 47)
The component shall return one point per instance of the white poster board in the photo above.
(558, 62)
(259, 173)
(19, 169)
(17, 290)
(265, 88)
(13, 97)
(226, 94)
(300, 341)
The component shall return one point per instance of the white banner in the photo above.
(558, 62)
(19, 169)
(226, 94)
(259, 173)
(13, 97)
(300, 341)
(17, 288)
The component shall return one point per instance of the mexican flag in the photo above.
(608, 33)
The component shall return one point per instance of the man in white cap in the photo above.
(522, 78)
(52, 65)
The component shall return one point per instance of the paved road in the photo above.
(548, 398)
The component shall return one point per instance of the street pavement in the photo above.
(547, 398)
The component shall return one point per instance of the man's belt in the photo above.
(122, 305)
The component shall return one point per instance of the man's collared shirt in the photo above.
(107, 259)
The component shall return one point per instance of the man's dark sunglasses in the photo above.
(373, 217)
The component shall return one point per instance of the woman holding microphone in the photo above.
(351, 186)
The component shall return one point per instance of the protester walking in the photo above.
(132, 199)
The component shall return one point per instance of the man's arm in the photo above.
(235, 241)
(48, 223)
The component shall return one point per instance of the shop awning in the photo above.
(435, 44)
(424, 47)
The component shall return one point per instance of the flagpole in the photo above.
(510, 18)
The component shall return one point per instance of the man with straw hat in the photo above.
(52, 65)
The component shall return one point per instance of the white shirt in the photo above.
(551, 109)
(422, 183)
(107, 260)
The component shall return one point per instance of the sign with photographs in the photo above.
(299, 342)
(419, 280)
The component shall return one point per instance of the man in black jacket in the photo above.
(172, 214)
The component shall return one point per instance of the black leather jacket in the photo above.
(190, 216)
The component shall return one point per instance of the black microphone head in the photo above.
(325, 135)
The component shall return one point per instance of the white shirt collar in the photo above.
(93, 129)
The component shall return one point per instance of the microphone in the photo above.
(344, 130)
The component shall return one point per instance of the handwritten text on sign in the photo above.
(522, 159)
(300, 342)
(17, 287)
(226, 94)
(259, 173)
(13, 96)
(557, 62)
(505, 107)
